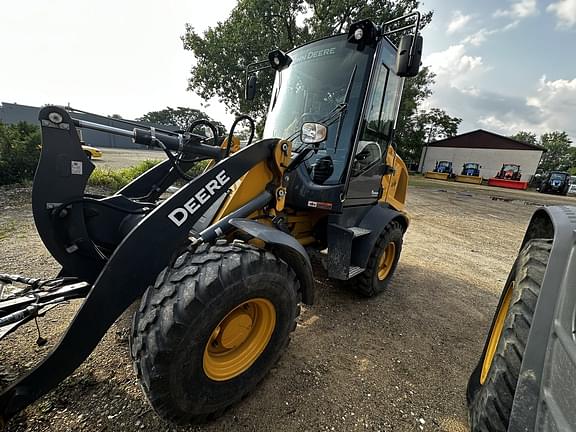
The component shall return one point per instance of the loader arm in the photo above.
(156, 238)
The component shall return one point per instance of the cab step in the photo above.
(359, 232)
(354, 271)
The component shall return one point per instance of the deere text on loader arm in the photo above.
(221, 266)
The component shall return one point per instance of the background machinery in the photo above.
(442, 171)
(508, 177)
(556, 182)
(470, 173)
(221, 265)
(525, 379)
(509, 172)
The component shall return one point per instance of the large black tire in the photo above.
(368, 283)
(490, 402)
(178, 317)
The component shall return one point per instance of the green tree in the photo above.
(180, 117)
(421, 128)
(19, 152)
(439, 124)
(255, 27)
(559, 155)
(526, 137)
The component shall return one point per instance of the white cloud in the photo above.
(565, 11)
(548, 106)
(556, 101)
(507, 125)
(472, 91)
(553, 104)
(519, 9)
(452, 64)
(478, 38)
(458, 21)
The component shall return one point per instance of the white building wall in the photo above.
(491, 160)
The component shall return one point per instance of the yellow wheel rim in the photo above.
(386, 261)
(496, 334)
(239, 339)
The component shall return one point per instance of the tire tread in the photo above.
(179, 292)
(492, 404)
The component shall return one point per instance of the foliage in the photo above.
(559, 155)
(255, 27)
(416, 128)
(117, 179)
(19, 152)
(181, 117)
(526, 137)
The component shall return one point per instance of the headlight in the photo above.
(313, 133)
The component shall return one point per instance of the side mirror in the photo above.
(409, 65)
(250, 89)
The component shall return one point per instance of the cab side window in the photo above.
(369, 149)
(390, 108)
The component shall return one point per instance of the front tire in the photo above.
(382, 262)
(211, 328)
(492, 386)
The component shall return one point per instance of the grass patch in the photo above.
(117, 179)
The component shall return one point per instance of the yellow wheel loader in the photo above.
(221, 266)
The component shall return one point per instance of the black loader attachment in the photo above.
(112, 248)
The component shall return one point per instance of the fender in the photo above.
(287, 248)
(545, 390)
(377, 218)
(550, 353)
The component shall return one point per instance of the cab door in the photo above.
(377, 128)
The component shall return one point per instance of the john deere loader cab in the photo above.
(337, 100)
(219, 267)
(328, 84)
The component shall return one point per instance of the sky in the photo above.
(500, 65)
(505, 65)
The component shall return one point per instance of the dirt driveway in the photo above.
(398, 362)
(116, 158)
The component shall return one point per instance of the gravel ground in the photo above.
(115, 158)
(398, 362)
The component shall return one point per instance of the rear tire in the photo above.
(186, 315)
(492, 386)
(377, 276)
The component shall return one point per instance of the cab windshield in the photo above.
(313, 88)
(558, 176)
